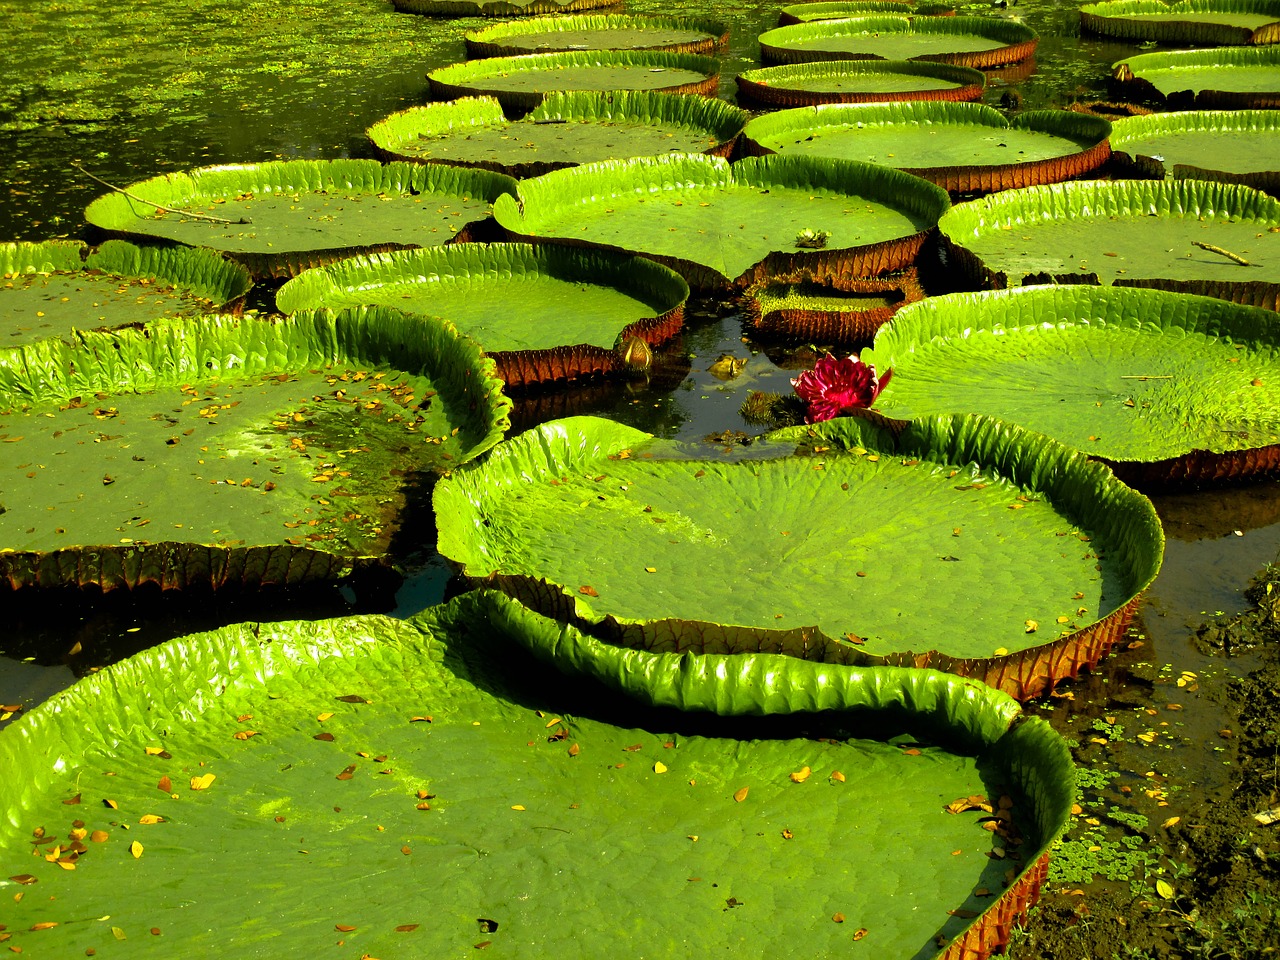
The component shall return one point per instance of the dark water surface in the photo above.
(132, 90)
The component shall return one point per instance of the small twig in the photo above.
(151, 203)
(1147, 376)
(1225, 253)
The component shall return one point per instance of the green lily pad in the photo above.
(1134, 377)
(578, 309)
(520, 83)
(221, 449)
(564, 130)
(51, 288)
(1186, 235)
(1231, 78)
(817, 545)
(441, 780)
(840, 9)
(280, 218)
(1185, 23)
(966, 41)
(497, 8)
(859, 81)
(597, 32)
(1230, 146)
(719, 224)
(962, 147)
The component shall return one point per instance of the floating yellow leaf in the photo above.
(244, 734)
(837, 776)
(1165, 889)
(517, 806)
(1032, 626)
(150, 818)
(1170, 822)
(154, 751)
(202, 782)
(859, 933)
(659, 767)
(322, 717)
(801, 775)
(136, 849)
(552, 723)
(740, 795)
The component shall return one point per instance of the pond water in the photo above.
(133, 90)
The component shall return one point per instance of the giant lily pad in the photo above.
(799, 309)
(859, 81)
(597, 32)
(1186, 235)
(49, 288)
(578, 309)
(719, 224)
(280, 218)
(520, 83)
(1234, 78)
(497, 8)
(962, 147)
(1034, 556)
(842, 9)
(1186, 23)
(223, 450)
(1164, 386)
(966, 41)
(1230, 146)
(442, 780)
(564, 130)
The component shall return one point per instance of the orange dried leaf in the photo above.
(165, 784)
(244, 734)
(837, 776)
(740, 795)
(407, 927)
(23, 878)
(859, 933)
(837, 917)
(574, 750)
(343, 927)
(801, 775)
(347, 772)
(44, 925)
(588, 590)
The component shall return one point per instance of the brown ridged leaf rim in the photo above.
(617, 32)
(498, 8)
(482, 77)
(778, 307)
(804, 43)
(1201, 79)
(859, 81)
(1084, 139)
(414, 128)
(1201, 23)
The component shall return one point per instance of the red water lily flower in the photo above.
(834, 387)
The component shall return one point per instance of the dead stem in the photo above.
(151, 203)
